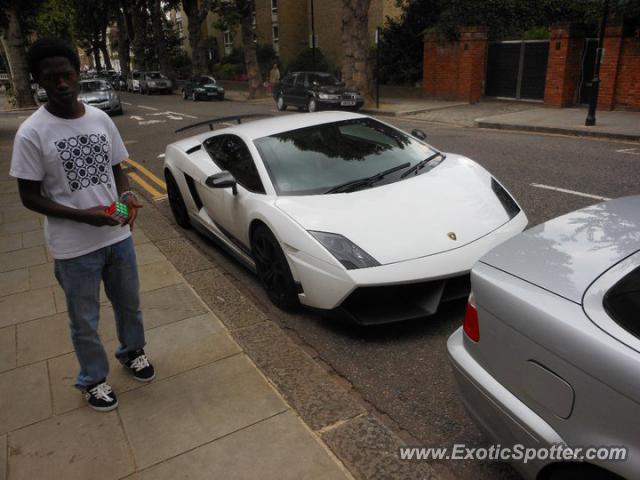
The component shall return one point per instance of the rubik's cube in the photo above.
(118, 210)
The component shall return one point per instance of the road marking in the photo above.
(172, 117)
(630, 151)
(161, 155)
(144, 170)
(572, 192)
(161, 197)
(135, 117)
(130, 142)
(125, 103)
(151, 122)
(138, 179)
(182, 114)
(148, 108)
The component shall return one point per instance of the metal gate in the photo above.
(517, 69)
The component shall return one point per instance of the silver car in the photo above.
(100, 94)
(550, 348)
(155, 82)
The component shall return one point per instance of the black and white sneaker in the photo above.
(140, 367)
(100, 397)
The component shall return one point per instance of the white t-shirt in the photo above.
(73, 159)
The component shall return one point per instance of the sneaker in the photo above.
(100, 397)
(140, 367)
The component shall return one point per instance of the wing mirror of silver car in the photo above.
(223, 179)
(416, 132)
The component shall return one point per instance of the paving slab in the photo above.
(8, 186)
(14, 281)
(169, 304)
(303, 383)
(17, 213)
(33, 239)
(155, 225)
(3, 457)
(22, 307)
(28, 225)
(10, 242)
(139, 237)
(41, 276)
(80, 445)
(25, 257)
(24, 397)
(158, 275)
(7, 348)
(368, 447)
(219, 293)
(9, 199)
(147, 253)
(280, 448)
(195, 408)
(43, 338)
(184, 256)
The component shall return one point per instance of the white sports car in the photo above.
(339, 211)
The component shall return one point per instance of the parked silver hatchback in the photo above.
(549, 353)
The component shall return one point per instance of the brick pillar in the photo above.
(563, 67)
(473, 52)
(609, 67)
(429, 63)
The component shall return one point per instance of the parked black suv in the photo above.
(314, 91)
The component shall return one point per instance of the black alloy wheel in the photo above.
(273, 269)
(176, 202)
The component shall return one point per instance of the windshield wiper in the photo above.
(363, 182)
(420, 165)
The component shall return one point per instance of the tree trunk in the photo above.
(158, 36)
(251, 58)
(138, 20)
(355, 38)
(123, 44)
(13, 43)
(105, 52)
(196, 16)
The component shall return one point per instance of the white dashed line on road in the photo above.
(126, 103)
(135, 117)
(182, 114)
(149, 108)
(572, 192)
(151, 122)
(630, 151)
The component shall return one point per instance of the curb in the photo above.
(401, 113)
(557, 130)
(18, 110)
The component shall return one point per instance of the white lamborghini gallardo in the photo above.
(339, 211)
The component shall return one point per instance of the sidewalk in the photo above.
(209, 413)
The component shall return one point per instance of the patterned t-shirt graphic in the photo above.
(85, 159)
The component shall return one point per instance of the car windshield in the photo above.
(325, 80)
(94, 86)
(315, 159)
(156, 75)
(207, 81)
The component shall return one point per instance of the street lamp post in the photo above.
(595, 83)
(313, 38)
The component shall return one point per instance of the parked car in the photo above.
(315, 91)
(155, 82)
(202, 87)
(342, 212)
(100, 94)
(118, 82)
(133, 81)
(550, 348)
(41, 95)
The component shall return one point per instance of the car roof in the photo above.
(254, 129)
(565, 255)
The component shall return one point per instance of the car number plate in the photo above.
(347, 103)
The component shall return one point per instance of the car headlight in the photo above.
(346, 252)
(328, 96)
(151, 84)
(198, 89)
(220, 89)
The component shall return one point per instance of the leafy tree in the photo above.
(305, 61)
(196, 12)
(92, 19)
(240, 12)
(356, 68)
(14, 15)
(56, 18)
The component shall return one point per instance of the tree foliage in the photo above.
(56, 18)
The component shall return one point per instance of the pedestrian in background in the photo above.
(274, 77)
(66, 158)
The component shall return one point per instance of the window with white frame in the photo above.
(274, 34)
(228, 42)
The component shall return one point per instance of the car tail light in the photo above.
(471, 325)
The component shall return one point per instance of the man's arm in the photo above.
(31, 196)
(122, 184)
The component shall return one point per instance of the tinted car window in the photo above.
(287, 80)
(300, 79)
(230, 153)
(622, 302)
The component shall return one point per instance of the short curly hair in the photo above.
(47, 47)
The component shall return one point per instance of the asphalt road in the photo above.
(401, 370)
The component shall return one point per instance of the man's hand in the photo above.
(133, 205)
(98, 217)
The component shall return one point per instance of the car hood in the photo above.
(566, 254)
(410, 218)
(335, 90)
(94, 97)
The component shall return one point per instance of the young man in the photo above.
(66, 157)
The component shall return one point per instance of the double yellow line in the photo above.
(155, 193)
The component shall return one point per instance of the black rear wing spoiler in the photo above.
(233, 118)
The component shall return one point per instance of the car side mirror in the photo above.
(416, 132)
(223, 179)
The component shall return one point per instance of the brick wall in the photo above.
(627, 93)
(563, 66)
(455, 70)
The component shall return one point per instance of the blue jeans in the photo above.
(80, 279)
